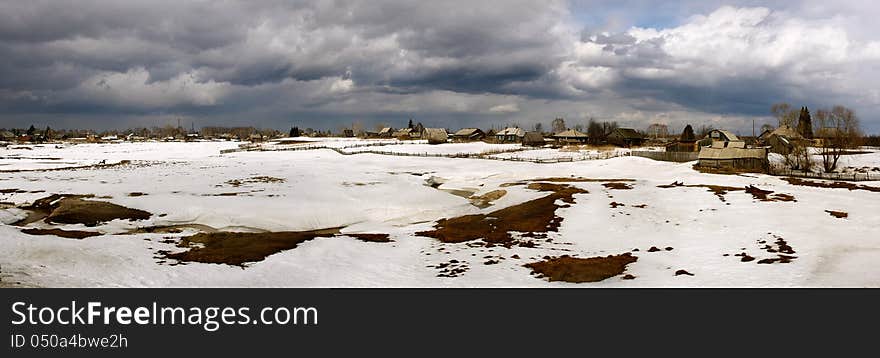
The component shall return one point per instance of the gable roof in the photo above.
(571, 133)
(466, 132)
(533, 137)
(519, 132)
(627, 133)
(786, 131)
(728, 135)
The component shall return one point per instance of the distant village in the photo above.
(715, 148)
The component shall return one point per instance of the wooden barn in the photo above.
(626, 137)
(468, 135)
(734, 157)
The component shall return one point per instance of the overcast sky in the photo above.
(324, 64)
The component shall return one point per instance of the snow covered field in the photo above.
(191, 185)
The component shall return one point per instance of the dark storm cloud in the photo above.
(280, 61)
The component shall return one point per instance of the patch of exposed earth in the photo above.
(577, 270)
(720, 191)
(534, 216)
(75, 209)
(831, 185)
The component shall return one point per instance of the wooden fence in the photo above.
(855, 176)
(679, 157)
(485, 155)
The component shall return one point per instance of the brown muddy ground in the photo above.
(73, 209)
(92, 213)
(837, 184)
(94, 166)
(567, 180)
(238, 248)
(838, 214)
(371, 237)
(252, 180)
(577, 270)
(485, 200)
(70, 234)
(617, 186)
(538, 215)
(720, 191)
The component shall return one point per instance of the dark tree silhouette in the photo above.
(805, 123)
(688, 133)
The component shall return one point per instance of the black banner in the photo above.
(421, 321)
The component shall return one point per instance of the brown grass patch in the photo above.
(259, 179)
(617, 186)
(92, 213)
(238, 248)
(580, 180)
(538, 215)
(837, 214)
(371, 237)
(135, 194)
(485, 200)
(70, 234)
(577, 270)
(72, 209)
(834, 185)
(720, 191)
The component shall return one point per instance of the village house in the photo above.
(510, 135)
(570, 136)
(403, 133)
(468, 135)
(625, 137)
(7, 136)
(781, 140)
(728, 152)
(385, 132)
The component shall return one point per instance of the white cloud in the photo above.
(132, 88)
(505, 108)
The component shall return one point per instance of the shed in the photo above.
(734, 157)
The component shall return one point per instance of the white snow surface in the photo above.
(370, 193)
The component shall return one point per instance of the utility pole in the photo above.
(753, 128)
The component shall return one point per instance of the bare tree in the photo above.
(357, 128)
(658, 130)
(539, 127)
(703, 131)
(785, 115)
(558, 125)
(838, 130)
(799, 156)
(595, 133)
